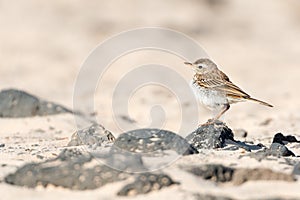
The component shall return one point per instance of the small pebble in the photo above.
(240, 133)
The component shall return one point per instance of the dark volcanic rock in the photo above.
(79, 170)
(242, 175)
(126, 162)
(71, 169)
(217, 173)
(16, 103)
(151, 142)
(296, 169)
(145, 183)
(279, 150)
(210, 197)
(220, 173)
(281, 139)
(95, 135)
(210, 136)
(276, 149)
(156, 148)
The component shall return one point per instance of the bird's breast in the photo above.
(207, 96)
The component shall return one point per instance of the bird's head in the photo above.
(202, 65)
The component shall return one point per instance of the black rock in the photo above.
(279, 150)
(296, 170)
(71, 169)
(95, 135)
(238, 176)
(125, 161)
(276, 149)
(156, 149)
(281, 139)
(217, 173)
(145, 183)
(16, 104)
(243, 175)
(2, 145)
(151, 142)
(210, 197)
(210, 136)
(79, 170)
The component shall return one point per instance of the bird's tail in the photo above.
(260, 102)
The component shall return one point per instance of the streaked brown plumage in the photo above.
(214, 89)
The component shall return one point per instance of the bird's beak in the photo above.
(188, 63)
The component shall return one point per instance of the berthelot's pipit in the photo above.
(214, 89)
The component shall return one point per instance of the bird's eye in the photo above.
(199, 66)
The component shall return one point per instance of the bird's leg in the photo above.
(223, 110)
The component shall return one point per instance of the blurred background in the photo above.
(256, 43)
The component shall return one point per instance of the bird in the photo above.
(214, 89)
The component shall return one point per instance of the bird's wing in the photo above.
(219, 81)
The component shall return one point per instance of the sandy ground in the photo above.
(43, 47)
